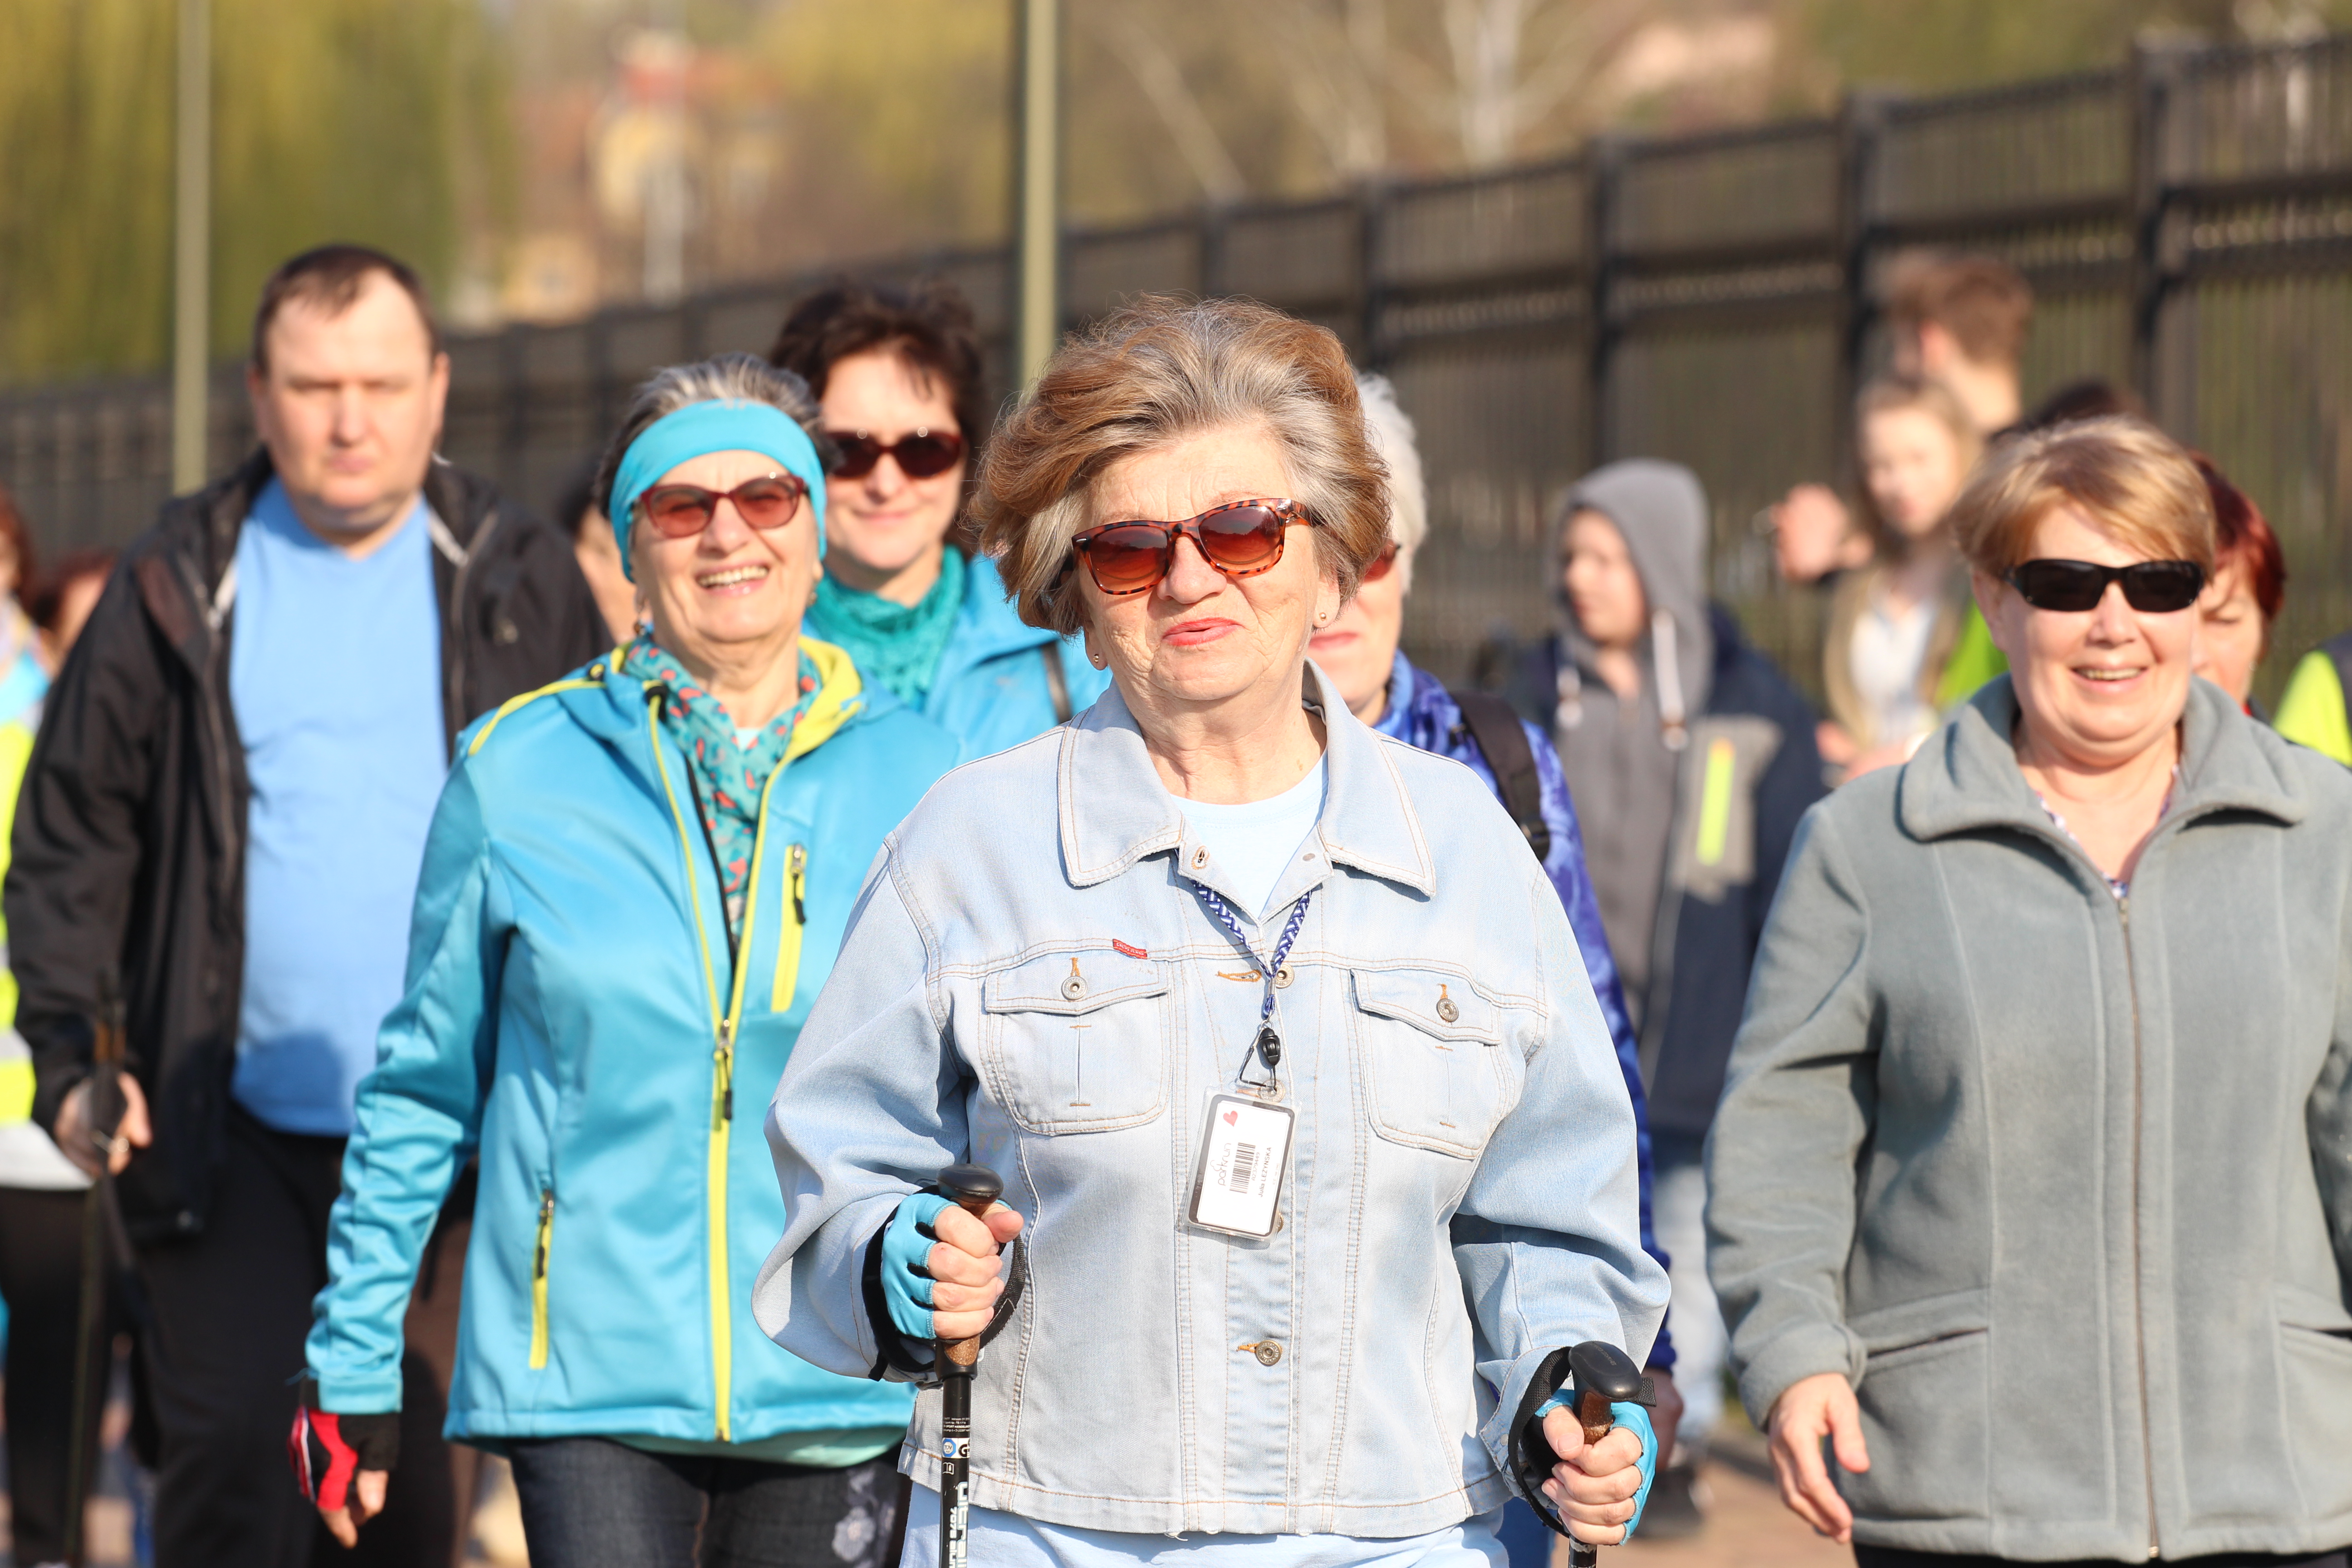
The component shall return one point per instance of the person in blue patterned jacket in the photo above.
(1359, 652)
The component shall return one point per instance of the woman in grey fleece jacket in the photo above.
(2031, 1186)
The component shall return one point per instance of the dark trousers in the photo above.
(41, 1279)
(590, 1503)
(229, 1311)
(1895, 1557)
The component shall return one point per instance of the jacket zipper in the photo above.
(539, 1279)
(215, 702)
(723, 1025)
(2139, 1304)
(788, 944)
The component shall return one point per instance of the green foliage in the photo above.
(378, 121)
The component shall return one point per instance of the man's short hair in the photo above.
(330, 278)
(1985, 304)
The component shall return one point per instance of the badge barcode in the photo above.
(1244, 1167)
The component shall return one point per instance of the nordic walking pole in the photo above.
(90, 1390)
(972, 1188)
(1604, 1376)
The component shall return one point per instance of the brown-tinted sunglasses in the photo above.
(1240, 539)
(681, 511)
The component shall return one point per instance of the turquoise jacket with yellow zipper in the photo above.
(574, 1012)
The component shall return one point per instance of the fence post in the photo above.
(514, 413)
(2156, 67)
(1861, 123)
(1605, 156)
(1373, 207)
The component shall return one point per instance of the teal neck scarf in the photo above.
(729, 775)
(893, 645)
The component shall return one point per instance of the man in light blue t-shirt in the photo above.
(228, 802)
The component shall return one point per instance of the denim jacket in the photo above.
(1029, 981)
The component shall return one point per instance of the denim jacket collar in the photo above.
(1115, 811)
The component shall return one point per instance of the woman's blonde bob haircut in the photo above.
(1155, 372)
(2131, 478)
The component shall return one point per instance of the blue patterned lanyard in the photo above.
(1269, 1045)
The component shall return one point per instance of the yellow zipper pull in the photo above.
(797, 862)
(539, 1277)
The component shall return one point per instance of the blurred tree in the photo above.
(379, 121)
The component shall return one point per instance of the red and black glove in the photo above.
(328, 1449)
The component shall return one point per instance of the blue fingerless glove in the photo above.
(1637, 1417)
(907, 1244)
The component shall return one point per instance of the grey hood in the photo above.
(1661, 509)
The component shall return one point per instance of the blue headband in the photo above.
(700, 428)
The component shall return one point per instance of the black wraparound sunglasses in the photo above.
(2151, 587)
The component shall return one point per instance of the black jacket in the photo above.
(1719, 886)
(129, 844)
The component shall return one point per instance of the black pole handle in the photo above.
(1600, 1375)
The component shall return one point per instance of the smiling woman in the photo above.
(631, 895)
(2045, 1081)
(1136, 963)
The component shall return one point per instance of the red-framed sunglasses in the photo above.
(681, 511)
(1380, 565)
(920, 454)
(1240, 539)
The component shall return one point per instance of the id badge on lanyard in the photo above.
(1245, 1153)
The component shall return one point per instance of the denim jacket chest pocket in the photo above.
(1432, 1048)
(1079, 1041)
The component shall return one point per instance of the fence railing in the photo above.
(2186, 222)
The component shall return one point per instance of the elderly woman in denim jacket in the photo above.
(2031, 1186)
(1277, 1034)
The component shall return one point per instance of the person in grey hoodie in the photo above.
(2031, 1189)
(1691, 760)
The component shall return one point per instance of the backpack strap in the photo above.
(1493, 725)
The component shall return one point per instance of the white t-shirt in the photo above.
(1885, 656)
(1254, 841)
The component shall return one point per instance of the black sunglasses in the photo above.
(920, 454)
(2151, 587)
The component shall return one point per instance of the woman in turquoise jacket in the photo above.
(897, 371)
(634, 888)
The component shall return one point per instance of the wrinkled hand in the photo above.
(966, 1270)
(1807, 1410)
(366, 1502)
(76, 1138)
(1592, 1485)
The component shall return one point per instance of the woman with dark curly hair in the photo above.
(897, 372)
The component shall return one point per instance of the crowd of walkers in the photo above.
(559, 966)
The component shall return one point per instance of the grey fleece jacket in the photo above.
(2062, 1183)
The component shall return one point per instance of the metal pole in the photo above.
(1038, 205)
(192, 247)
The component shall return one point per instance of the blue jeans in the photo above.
(1678, 1210)
(590, 1503)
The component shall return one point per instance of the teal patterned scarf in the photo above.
(728, 775)
(893, 645)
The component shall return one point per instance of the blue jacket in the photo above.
(1422, 712)
(1032, 982)
(573, 1011)
(994, 686)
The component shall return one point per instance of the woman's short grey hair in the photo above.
(1158, 371)
(1393, 438)
(727, 378)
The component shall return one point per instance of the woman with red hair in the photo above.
(2242, 603)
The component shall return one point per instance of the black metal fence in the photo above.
(2186, 222)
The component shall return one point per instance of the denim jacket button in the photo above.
(1447, 1010)
(1268, 1352)
(1073, 988)
(1283, 977)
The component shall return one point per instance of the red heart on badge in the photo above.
(1232, 1118)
